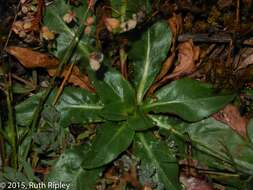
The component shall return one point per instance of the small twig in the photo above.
(207, 38)
(10, 32)
(205, 54)
(66, 78)
(237, 20)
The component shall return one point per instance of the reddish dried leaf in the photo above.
(230, 115)
(176, 23)
(166, 67)
(193, 183)
(188, 54)
(32, 59)
(41, 170)
(76, 78)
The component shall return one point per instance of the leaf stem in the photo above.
(12, 132)
(2, 147)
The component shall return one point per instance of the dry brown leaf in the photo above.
(166, 67)
(111, 23)
(176, 23)
(224, 3)
(46, 34)
(230, 115)
(69, 17)
(194, 183)
(76, 78)
(246, 58)
(32, 59)
(187, 55)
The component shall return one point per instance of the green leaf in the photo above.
(147, 56)
(250, 129)
(116, 93)
(75, 106)
(79, 106)
(157, 155)
(111, 140)
(53, 19)
(139, 121)
(68, 170)
(216, 139)
(189, 99)
(25, 110)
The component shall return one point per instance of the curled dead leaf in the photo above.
(76, 78)
(95, 60)
(69, 17)
(231, 116)
(187, 55)
(176, 23)
(246, 58)
(46, 34)
(166, 67)
(32, 59)
(111, 23)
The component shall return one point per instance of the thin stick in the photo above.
(237, 20)
(66, 78)
(206, 38)
(10, 32)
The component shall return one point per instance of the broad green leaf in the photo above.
(75, 106)
(68, 170)
(156, 156)
(116, 93)
(79, 106)
(111, 140)
(189, 99)
(250, 129)
(216, 139)
(139, 121)
(53, 19)
(147, 55)
(25, 110)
